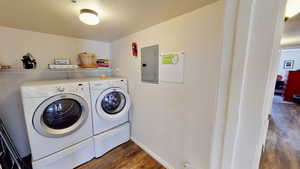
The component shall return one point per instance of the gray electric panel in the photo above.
(150, 64)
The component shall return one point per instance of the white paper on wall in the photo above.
(171, 67)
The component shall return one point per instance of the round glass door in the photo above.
(113, 102)
(60, 115)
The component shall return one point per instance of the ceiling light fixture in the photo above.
(89, 17)
(292, 8)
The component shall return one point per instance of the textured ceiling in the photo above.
(292, 8)
(118, 17)
(291, 34)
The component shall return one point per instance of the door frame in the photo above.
(252, 30)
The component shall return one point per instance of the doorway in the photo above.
(282, 147)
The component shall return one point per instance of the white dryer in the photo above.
(59, 123)
(110, 109)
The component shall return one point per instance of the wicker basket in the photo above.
(87, 60)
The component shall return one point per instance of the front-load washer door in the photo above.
(113, 103)
(60, 115)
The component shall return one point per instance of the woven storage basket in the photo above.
(87, 60)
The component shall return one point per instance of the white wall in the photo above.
(289, 54)
(176, 121)
(44, 47)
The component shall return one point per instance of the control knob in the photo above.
(60, 89)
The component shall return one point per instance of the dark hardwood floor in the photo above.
(282, 149)
(126, 156)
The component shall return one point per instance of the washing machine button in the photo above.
(60, 89)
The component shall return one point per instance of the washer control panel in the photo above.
(72, 88)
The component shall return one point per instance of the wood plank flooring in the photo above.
(126, 156)
(282, 149)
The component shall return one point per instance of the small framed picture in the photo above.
(288, 64)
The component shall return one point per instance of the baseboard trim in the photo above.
(152, 154)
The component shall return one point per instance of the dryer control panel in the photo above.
(102, 85)
(48, 90)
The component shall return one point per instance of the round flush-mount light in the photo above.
(89, 17)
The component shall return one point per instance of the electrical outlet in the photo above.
(117, 69)
(188, 165)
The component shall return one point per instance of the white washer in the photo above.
(110, 109)
(59, 123)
